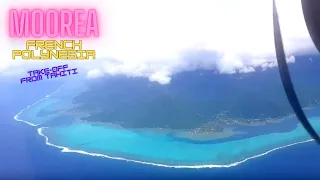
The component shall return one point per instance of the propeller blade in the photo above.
(286, 79)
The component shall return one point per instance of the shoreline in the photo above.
(22, 110)
(66, 149)
(69, 150)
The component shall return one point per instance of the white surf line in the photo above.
(16, 117)
(66, 149)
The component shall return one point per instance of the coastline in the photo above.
(66, 149)
(16, 117)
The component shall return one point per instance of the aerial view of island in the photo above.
(181, 89)
(199, 119)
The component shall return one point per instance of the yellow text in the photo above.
(49, 49)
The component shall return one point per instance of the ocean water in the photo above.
(24, 155)
(32, 158)
(29, 150)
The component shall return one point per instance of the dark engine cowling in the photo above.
(311, 12)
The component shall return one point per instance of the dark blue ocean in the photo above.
(24, 154)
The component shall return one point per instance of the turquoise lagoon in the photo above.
(65, 129)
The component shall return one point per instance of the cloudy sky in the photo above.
(158, 38)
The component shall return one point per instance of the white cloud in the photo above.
(247, 70)
(161, 77)
(157, 38)
(94, 73)
(291, 59)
